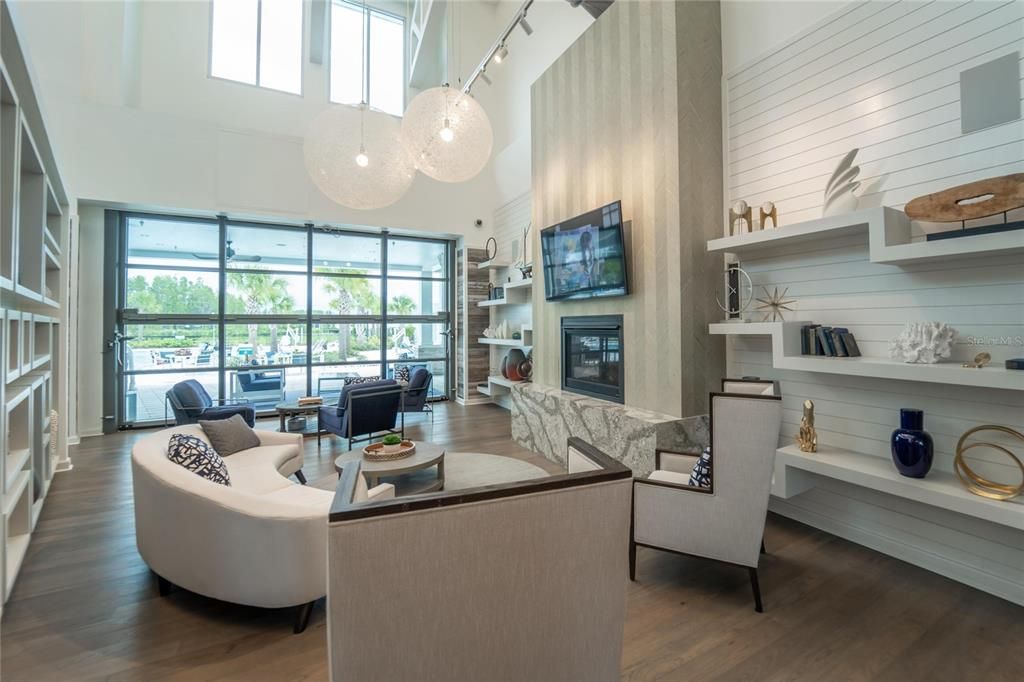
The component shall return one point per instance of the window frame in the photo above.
(367, 38)
(259, 47)
(122, 318)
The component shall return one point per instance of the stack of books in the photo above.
(311, 400)
(833, 342)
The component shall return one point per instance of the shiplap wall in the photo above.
(881, 76)
(884, 77)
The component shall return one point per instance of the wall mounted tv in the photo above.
(585, 256)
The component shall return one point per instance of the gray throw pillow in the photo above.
(228, 436)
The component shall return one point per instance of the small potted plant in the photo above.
(392, 443)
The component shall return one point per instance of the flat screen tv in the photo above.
(585, 257)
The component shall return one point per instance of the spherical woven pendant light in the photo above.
(448, 134)
(355, 156)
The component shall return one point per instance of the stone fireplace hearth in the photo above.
(543, 418)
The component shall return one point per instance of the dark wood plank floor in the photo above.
(85, 606)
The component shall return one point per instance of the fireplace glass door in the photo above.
(592, 357)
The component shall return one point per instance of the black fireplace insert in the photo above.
(592, 356)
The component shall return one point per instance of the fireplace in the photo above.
(592, 356)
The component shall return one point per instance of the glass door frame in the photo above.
(118, 320)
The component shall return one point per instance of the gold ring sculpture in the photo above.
(978, 485)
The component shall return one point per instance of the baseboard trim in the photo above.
(917, 556)
(482, 400)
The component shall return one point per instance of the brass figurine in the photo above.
(807, 439)
(741, 211)
(768, 210)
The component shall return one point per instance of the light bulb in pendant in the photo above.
(447, 134)
(362, 160)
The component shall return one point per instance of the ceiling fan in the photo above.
(229, 255)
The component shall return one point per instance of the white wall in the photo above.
(86, 386)
(753, 28)
(883, 77)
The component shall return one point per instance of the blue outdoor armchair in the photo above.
(415, 398)
(363, 411)
(190, 402)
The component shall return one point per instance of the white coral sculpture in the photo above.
(923, 342)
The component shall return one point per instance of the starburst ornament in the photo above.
(773, 304)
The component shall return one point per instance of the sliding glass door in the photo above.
(270, 313)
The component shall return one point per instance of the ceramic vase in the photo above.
(510, 365)
(912, 448)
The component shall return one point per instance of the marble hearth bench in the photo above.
(543, 417)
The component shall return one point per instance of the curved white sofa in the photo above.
(261, 541)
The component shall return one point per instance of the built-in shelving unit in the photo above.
(515, 308)
(796, 472)
(889, 233)
(34, 227)
(10, 125)
(786, 355)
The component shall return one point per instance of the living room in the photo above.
(537, 340)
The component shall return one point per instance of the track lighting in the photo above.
(501, 55)
(525, 25)
(485, 78)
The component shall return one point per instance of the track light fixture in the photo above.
(485, 78)
(498, 52)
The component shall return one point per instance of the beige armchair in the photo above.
(519, 581)
(726, 521)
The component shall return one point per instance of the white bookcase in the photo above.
(515, 308)
(34, 227)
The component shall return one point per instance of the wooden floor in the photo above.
(85, 606)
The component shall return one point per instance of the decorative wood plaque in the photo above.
(978, 199)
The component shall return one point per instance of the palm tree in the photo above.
(262, 294)
(402, 305)
(349, 295)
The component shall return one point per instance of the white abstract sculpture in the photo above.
(923, 342)
(839, 197)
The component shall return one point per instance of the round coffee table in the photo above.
(427, 455)
(290, 409)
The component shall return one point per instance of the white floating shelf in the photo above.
(521, 284)
(889, 235)
(786, 347)
(500, 301)
(498, 380)
(492, 265)
(811, 230)
(795, 473)
(484, 389)
(513, 343)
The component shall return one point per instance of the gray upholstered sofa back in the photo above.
(524, 581)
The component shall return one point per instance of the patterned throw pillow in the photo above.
(402, 373)
(360, 380)
(198, 457)
(700, 477)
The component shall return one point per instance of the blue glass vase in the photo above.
(912, 448)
